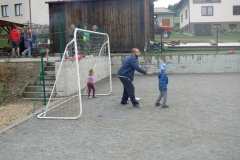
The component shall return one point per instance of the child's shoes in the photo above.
(157, 104)
(165, 106)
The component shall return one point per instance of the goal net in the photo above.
(87, 50)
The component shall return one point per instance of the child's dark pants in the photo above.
(91, 86)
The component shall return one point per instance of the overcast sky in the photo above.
(165, 3)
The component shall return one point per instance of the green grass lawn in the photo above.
(4, 40)
(4, 43)
(226, 37)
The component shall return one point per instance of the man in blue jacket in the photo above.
(126, 76)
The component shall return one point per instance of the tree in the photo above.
(175, 9)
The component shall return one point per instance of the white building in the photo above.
(25, 11)
(200, 16)
(164, 16)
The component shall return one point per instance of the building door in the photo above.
(202, 29)
(165, 22)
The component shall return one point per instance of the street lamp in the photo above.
(216, 27)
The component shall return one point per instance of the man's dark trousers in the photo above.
(129, 91)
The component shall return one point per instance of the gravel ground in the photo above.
(202, 123)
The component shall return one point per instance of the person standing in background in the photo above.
(27, 43)
(15, 40)
(71, 32)
(33, 38)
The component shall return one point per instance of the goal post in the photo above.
(67, 94)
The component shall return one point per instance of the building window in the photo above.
(181, 18)
(186, 14)
(207, 11)
(5, 12)
(18, 9)
(217, 26)
(233, 26)
(206, 1)
(236, 10)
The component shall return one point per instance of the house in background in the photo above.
(176, 21)
(201, 16)
(25, 11)
(129, 23)
(164, 16)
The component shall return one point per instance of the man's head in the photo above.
(30, 30)
(95, 28)
(72, 26)
(136, 52)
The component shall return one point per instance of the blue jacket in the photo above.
(129, 66)
(163, 81)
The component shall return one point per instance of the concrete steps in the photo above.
(49, 76)
(32, 94)
(40, 88)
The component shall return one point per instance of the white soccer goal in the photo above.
(66, 100)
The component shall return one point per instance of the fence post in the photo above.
(60, 35)
(161, 42)
(43, 79)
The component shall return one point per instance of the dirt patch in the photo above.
(14, 76)
(12, 112)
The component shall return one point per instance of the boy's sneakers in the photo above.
(137, 106)
(165, 106)
(157, 104)
(94, 97)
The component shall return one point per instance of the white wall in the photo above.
(182, 12)
(222, 12)
(160, 17)
(39, 11)
(25, 18)
(185, 63)
(67, 82)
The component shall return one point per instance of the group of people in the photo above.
(22, 42)
(88, 45)
(126, 76)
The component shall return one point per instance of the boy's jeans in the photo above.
(163, 94)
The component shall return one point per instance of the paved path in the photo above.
(202, 123)
(8, 60)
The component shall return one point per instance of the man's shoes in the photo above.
(165, 106)
(136, 98)
(124, 103)
(157, 104)
(137, 106)
(94, 97)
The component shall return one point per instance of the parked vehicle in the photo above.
(164, 30)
